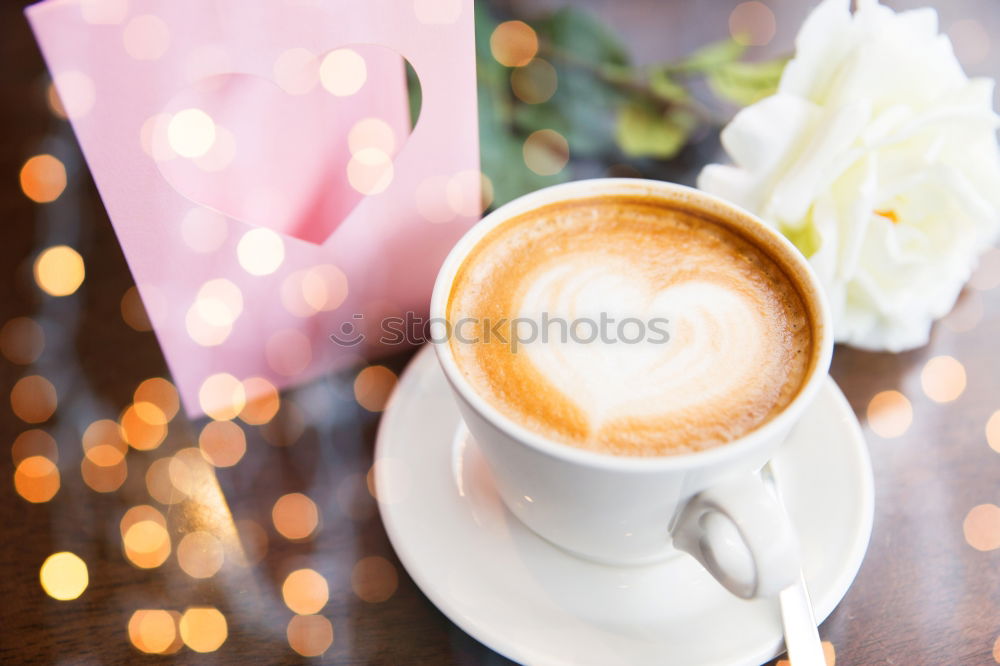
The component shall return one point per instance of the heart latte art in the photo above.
(629, 326)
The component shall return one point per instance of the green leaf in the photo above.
(709, 57)
(583, 37)
(666, 88)
(642, 131)
(744, 83)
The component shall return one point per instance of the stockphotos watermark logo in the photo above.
(412, 329)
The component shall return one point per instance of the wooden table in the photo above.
(925, 594)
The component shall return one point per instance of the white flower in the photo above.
(878, 158)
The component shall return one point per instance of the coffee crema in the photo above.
(717, 338)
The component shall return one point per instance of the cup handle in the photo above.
(740, 533)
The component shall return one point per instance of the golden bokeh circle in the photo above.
(43, 178)
(374, 579)
(59, 270)
(64, 576)
(310, 635)
(203, 629)
(222, 443)
(373, 386)
(33, 399)
(200, 554)
(295, 516)
(514, 43)
(36, 479)
(305, 591)
(982, 527)
(22, 340)
(890, 414)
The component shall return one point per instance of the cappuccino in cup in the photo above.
(631, 325)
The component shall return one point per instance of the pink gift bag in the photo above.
(257, 163)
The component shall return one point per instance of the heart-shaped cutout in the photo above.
(295, 153)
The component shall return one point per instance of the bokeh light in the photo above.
(204, 230)
(373, 386)
(262, 403)
(222, 396)
(889, 414)
(203, 629)
(64, 576)
(372, 133)
(546, 152)
(943, 379)
(993, 431)
(223, 443)
(982, 527)
(397, 484)
(159, 484)
(216, 307)
(22, 340)
(146, 37)
(431, 201)
(752, 24)
(370, 171)
(145, 540)
(295, 516)
(374, 579)
(288, 352)
(154, 631)
(222, 152)
(33, 399)
(200, 554)
(76, 93)
(534, 83)
(514, 43)
(143, 426)
(103, 444)
(191, 132)
(305, 591)
(296, 71)
(343, 72)
(36, 479)
(34, 442)
(310, 635)
(187, 468)
(59, 270)
(160, 392)
(260, 251)
(55, 104)
(468, 192)
(134, 312)
(43, 178)
(103, 478)
(318, 289)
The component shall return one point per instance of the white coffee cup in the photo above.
(637, 510)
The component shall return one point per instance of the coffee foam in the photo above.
(740, 338)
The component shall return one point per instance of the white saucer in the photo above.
(535, 604)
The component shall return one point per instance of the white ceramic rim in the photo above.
(583, 189)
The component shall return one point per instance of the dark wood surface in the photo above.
(924, 594)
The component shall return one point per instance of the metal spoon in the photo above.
(801, 634)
